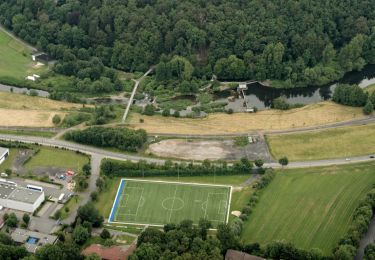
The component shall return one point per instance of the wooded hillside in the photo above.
(296, 43)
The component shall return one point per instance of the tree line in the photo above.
(142, 168)
(295, 43)
(122, 138)
(353, 95)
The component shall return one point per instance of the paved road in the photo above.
(130, 102)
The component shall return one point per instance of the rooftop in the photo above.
(31, 239)
(12, 192)
(3, 151)
(109, 253)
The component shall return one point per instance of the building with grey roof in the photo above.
(4, 153)
(32, 240)
(19, 198)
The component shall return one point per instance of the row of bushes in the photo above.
(15, 144)
(113, 168)
(349, 244)
(266, 179)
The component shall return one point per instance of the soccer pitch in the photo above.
(156, 203)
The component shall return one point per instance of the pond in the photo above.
(5, 88)
(261, 96)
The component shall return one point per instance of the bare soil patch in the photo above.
(196, 150)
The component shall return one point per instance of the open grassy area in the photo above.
(330, 143)
(370, 89)
(159, 203)
(69, 206)
(51, 157)
(15, 59)
(27, 111)
(28, 132)
(310, 115)
(7, 164)
(311, 208)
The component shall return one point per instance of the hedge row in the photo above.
(112, 168)
(360, 222)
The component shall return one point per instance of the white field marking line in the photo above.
(114, 202)
(139, 201)
(174, 198)
(145, 224)
(121, 202)
(219, 204)
(229, 202)
(180, 183)
(127, 198)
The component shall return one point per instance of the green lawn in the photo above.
(370, 89)
(70, 205)
(324, 144)
(159, 203)
(312, 208)
(7, 164)
(51, 157)
(28, 132)
(15, 61)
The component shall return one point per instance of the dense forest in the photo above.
(294, 43)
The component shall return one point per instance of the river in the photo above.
(261, 96)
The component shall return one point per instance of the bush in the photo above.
(94, 196)
(350, 95)
(105, 234)
(56, 119)
(33, 93)
(283, 161)
(166, 112)
(368, 108)
(149, 110)
(176, 114)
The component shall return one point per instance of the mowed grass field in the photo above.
(52, 157)
(23, 110)
(312, 208)
(159, 203)
(324, 144)
(15, 59)
(220, 123)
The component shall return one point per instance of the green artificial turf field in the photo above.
(310, 207)
(158, 202)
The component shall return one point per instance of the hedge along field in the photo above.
(312, 208)
(330, 143)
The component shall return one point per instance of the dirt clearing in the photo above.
(310, 115)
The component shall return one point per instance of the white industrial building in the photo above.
(4, 153)
(19, 198)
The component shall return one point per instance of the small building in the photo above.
(19, 198)
(110, 253)
(32, 78)
(40, 56)
(32, 240)
(4, 153)
(242, 86)
(238, 255)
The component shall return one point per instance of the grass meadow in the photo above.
(15, 59)
(220, 123)
(324, 144)
(310, 207)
